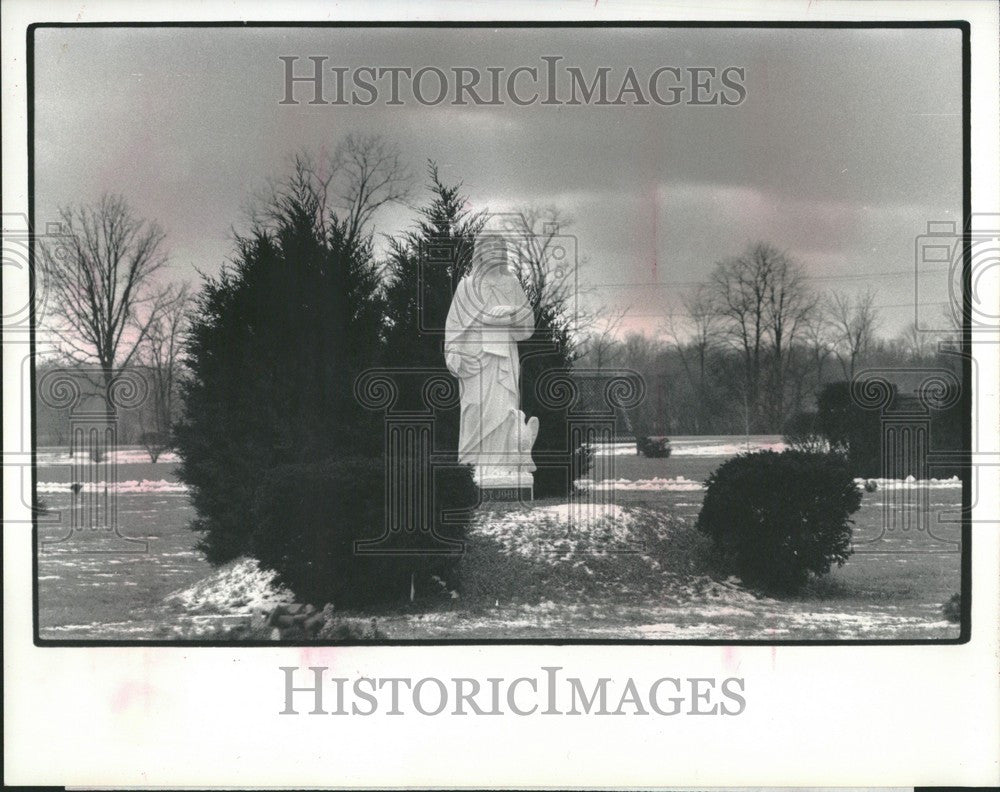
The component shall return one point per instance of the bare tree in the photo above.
(853, 323)
(763, 301)
(790, 302)
(739, 287)
(101, 278)
(694, 342)
(918, 344)
(643, 354)
(602, 347)
(818, 337)
(373, 175)
(161, 356)
(547, 266)
(639, 351)
(361, 175)
(538, 234)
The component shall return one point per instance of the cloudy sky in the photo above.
(848, 143)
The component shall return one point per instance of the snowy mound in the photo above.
(240, 587)
(567, 550)
(559, 531)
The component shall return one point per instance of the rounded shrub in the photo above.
(777, 518)
(654, 448)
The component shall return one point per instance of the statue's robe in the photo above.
(489, 314)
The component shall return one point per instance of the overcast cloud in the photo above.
(848, 142)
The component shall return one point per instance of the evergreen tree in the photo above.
(424, 269)
(276, 342)
(553, 347)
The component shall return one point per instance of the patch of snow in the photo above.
(240, 587)
(120, 456)
(678, 484)
(768, 621)
(695, 447)
(144, 487)
(554, 534)
(912, 483)
(614, 449)
(726, 449)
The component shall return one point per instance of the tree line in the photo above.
(754, 347)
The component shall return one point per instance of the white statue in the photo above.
(489, 314)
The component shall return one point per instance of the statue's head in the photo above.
(489, 256)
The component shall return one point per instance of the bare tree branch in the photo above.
(347, 186)
(161, 356)
(763, 301)
(101, 277)
(853, 324)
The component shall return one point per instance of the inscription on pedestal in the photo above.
(505, 493)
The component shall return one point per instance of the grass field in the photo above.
(93, 584)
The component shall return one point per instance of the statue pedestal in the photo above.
(505, 484)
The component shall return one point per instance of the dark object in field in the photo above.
(871, 485)
(654, 448)
(953, 609)
(76, 487)
(777, 518)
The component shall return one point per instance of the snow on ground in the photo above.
(727, 618)
(678, 484)
(143, 487)
(700, 446)
(614, 449)
(120, 456)
(724, 449)
(804, 625)
(240, 587)
(912, 483)
(555, 534)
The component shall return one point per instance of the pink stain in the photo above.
(137, 692)
(318, 656)
(730, 658)
(132, 694)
